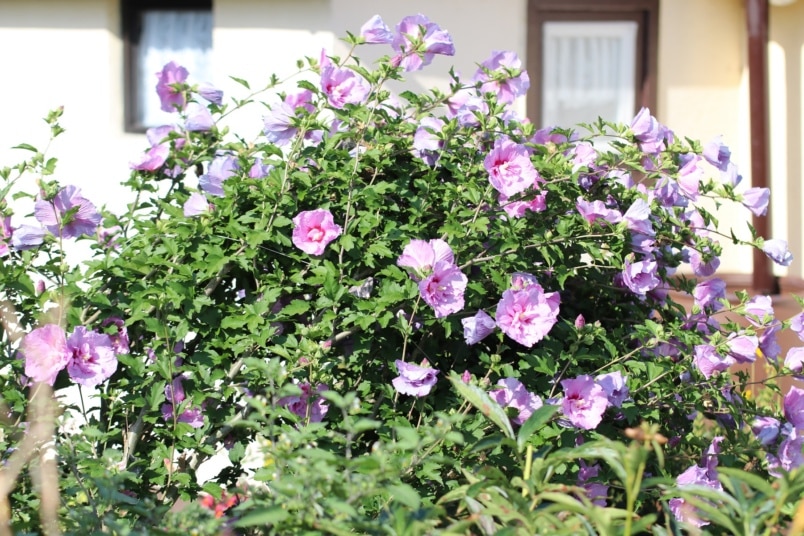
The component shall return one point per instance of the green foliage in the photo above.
(287, 359)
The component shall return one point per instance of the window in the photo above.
(590, 58)
(154, 33)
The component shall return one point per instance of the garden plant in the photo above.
(395, 313)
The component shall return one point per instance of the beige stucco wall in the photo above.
(59, 52)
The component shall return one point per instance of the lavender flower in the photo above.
(414, 380)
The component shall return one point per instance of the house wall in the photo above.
(70, 53)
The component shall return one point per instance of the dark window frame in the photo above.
(644, 12)
(131, 14)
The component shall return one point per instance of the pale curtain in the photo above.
(589, 70)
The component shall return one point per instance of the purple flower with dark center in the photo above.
(640, 277)
(375, 31)
(170, 87)
(615, 387)
(93, 358)
(69, 214)
(313, 230)
(716, 153)
(584, 402)
(343, 86)
(756, 200)
(527, 315)
(513, 394)
(45, 353)
(478, 327)
(414, 380)
(502, 75)
(776, 250)
(417, 41)
(221, 168)
(708, 361)
(27, 237)
(509, 167)
(708, 294)
(443, 289)
(309, 404)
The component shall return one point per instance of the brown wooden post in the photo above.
(763, 281)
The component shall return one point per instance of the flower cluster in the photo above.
(89, 357)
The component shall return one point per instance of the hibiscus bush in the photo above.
(391, 313)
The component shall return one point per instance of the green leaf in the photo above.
(268, 516)
(27, 147)
(296, 307)
(405, 494)
(481, 400)
(539, 418)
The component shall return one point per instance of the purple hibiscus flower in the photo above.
(45, 353)
(502, 75)
(756, 200)
(509, 167)
(419, 257)
(308, 404)
(697, 476)
(69, 214)
(414, 380)
(478, 327)
(221, 168)
(584, 402)
(170, 87)
(27, 237)
(776, 250)
(417, 41)
(444, 288)
(708, 361)
(92, 359)
(615, 387)
(640, 277)
(426, 141)
(175, 395)
(513, 394)
(528, 314)
(342, 86)
(375, 31)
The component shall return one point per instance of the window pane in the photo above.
(183, 36)
(588, 72)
